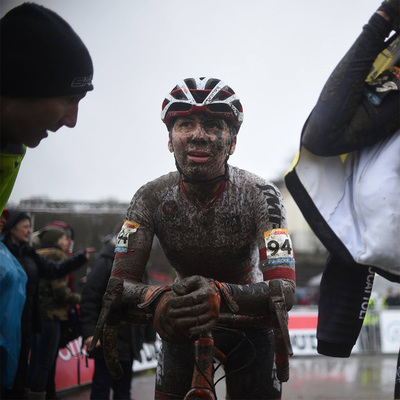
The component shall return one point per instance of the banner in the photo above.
(389, 323)
(73, 367)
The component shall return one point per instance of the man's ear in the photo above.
(233, 145)
(170, 147)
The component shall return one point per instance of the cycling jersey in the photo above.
(239, 236)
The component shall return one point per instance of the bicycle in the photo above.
(202, 385)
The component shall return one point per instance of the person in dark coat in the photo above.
(130, 337)
(53, 241)
(17, 232)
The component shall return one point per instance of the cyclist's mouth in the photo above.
(198, 156)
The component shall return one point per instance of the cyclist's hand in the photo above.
(196, 309)
(164, 324)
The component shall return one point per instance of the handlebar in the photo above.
(277, 319)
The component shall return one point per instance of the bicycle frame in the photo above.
(202, 387)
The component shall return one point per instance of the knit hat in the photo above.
(61, 225)
(41, 55)
(51, 235)
(14, 218)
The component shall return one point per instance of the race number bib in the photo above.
(278, 246)
(128, 228)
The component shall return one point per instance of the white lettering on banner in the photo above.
(73, 349)
(149, 354)
(304, 341)
(64, 354)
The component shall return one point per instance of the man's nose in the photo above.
(199, 131)
(71, 116)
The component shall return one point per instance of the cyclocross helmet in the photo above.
(195, 95)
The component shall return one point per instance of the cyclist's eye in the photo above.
(184, 124)
(213, 125)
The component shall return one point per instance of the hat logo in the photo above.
(82, 81)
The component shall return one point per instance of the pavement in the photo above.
(360, 377)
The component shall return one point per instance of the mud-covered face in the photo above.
(201, 144)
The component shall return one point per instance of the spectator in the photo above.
(54, 296)
(130, 337)
(17, 232)
(350, 149)
(45, 71)
(12, 299)
(392, 299)
(346, 179)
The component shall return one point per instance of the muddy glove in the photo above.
(190, 309)
(253, 298)
(163, 323)
(112, 300)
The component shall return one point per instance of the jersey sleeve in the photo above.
(275, 245)
(134, 241)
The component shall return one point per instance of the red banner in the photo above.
(73, 368)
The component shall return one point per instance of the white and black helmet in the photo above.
(195, 95)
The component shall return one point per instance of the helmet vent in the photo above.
(178, 94)
(200, 95)
(211, 83)
(190, 83)
(238, 105)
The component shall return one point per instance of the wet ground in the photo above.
(360, 377)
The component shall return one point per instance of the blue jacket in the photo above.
(12, 299)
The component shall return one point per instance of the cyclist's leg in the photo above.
(174, 371)
(258, 380)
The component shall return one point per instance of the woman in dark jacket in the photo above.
(53, 242)
(17, 233)
(130, 337)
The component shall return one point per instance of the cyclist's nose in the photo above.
(199, 132)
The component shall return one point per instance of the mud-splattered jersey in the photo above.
(240, 236)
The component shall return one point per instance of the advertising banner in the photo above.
(389, 324)
(73, 367)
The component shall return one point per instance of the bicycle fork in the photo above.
(203, 376)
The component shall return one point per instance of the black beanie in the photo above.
(41, 55)
(15, 217)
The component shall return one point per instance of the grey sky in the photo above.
(275, 55)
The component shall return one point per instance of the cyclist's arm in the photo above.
(132, 252)
(276, 255)
(343, 119)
